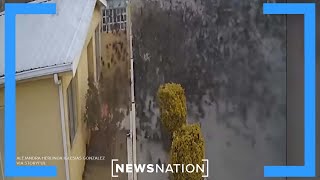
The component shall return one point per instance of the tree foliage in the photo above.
(187, 148)
(173, 108)
(93, 106)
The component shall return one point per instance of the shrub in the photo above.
(93, 107)
(187, 148)
(173, 108)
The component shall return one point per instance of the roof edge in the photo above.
(40, 72)
(31, 2)
(40, 1)
(103, 2)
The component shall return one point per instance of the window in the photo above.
(98, 56)
(113, 18)
(72, 110)
(109, 12)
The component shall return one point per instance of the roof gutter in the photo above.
(40, 72)
(57, 81)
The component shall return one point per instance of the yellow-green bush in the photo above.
(187, 148)
(173, 108)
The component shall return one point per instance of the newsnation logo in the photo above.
(117, 168)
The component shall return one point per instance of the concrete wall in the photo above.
(230, 58)
(295, 93)
(38, 122)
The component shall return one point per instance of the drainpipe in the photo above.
(133, 105)
(1, 165)
(63, 126)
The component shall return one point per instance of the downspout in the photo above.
(1, 165)
(63, 126)
(133, 105)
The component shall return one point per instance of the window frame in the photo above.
(112, 18)
(72, 110)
